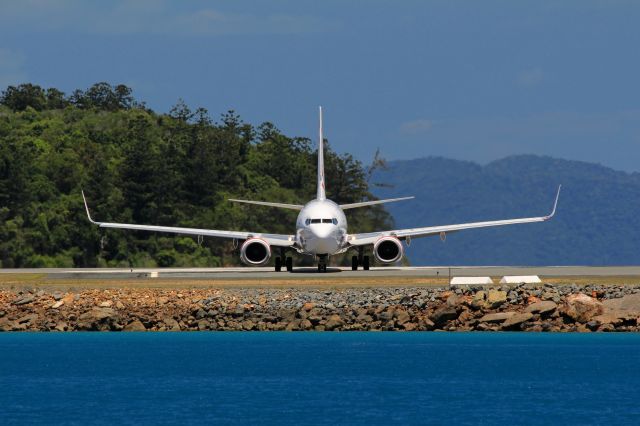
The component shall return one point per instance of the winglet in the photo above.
(87, 208)
(555, 203)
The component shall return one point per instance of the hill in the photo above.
(597, 223)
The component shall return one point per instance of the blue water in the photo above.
(319, 378)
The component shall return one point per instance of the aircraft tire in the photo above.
(278, 264)
(289, 264)
(354, 263)
(365, 263)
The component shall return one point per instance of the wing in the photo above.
(372, 237)
(278, 240)
(268, 204)
(371, 203)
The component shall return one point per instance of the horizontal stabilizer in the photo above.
(371, 203)
(265, 203)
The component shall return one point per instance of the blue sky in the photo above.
(462, 79)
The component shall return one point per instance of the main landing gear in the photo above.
(360, 260)
(287, 263)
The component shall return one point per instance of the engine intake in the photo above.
(388, 250)
(255, 252)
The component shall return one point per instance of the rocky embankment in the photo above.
(524, 307)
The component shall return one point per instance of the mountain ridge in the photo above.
(597, 221)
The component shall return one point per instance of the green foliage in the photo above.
(138, 166)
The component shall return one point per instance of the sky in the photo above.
(467, 80)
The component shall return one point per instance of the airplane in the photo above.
(321, 230)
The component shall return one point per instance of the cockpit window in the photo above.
(310, 221)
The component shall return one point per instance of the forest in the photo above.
(137, 165)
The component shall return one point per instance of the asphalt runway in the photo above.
(302, 273)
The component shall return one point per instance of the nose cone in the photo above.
(323, 239)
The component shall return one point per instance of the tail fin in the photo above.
(321, 193)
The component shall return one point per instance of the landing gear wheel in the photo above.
(278, 264)
(289, 263)
(354, 263)
(365, 263)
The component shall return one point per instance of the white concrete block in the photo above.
(153, 274)
(519, 279)
(471, 280)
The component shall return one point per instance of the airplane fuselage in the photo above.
(321, 228)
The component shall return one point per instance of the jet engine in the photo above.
(388, 250)
(255, 252)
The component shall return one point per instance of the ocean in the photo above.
(319, 378)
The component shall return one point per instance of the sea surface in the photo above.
(319, 378)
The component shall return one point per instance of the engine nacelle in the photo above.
(255, 252)
(388, 250)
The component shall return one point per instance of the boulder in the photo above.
(333, 322)
(497, 317)
(135, 325)
(516, 320)
(443, 314)
(401, 316)
(495, 298)
(478, 299)
(27, 319)
(545, 307)
(24, 300)
(581, 308)
(105, 304)
(171, 324)
(58, 304)
(97, 319)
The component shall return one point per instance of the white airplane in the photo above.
(321, 231)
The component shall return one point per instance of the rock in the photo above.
(97, 314)
(453, 301)
(306, 325)
(495, 298)
(545, 307)
(497, 317)
(69, 299)
(401, 316)
(57, 295)
(135, 325)
(308, 306)
(516, 320)
(24, 300)
(333, 322)
(171, 324)
(442, 315)
(61, 326)
(478, 299)
(106, 304)
(409, 326)
(119, 305)
(29, 318)
(58, 304)
(162, 300)
(582, 308)
(97, 319)
(248, 324)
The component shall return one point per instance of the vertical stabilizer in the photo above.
(321, 194)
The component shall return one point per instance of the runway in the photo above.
(310, 273)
